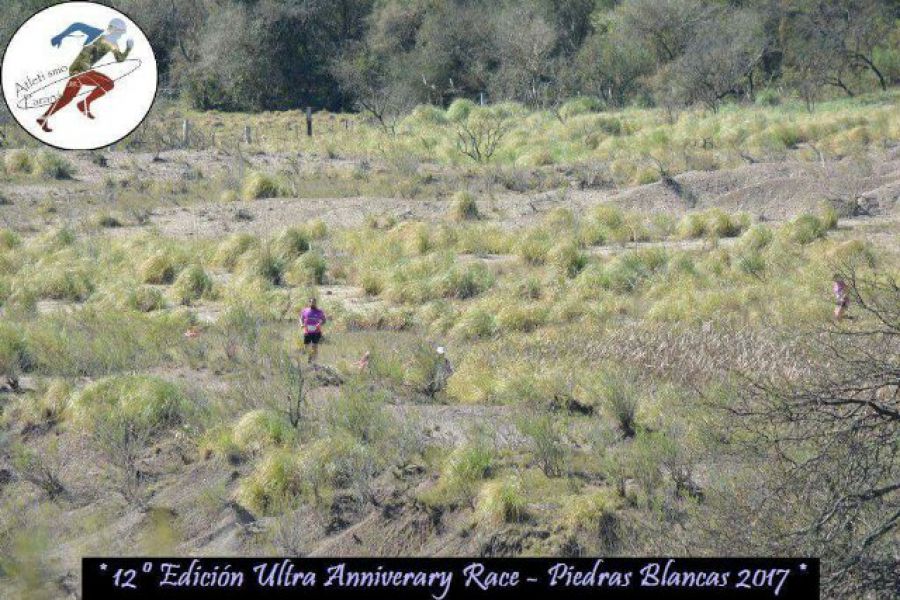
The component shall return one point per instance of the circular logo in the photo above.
(79, 76)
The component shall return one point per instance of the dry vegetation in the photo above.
(601, 352)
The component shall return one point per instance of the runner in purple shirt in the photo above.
(841, 297)
(311, 320)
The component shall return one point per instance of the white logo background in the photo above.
(32, 62)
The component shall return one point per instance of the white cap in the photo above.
(117, 24)
(440, 349)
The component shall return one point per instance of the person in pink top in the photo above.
(312, 318)
(841, 297)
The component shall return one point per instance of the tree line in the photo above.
(386, 56)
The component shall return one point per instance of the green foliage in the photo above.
(159, 268)
(53, 165)
(547, 442)
(464, 207)
(142, 403)
(192, 284)
(260, 430)
(258, 186)
(501, 502)
(461, 474)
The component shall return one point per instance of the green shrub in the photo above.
(806, 229)
(463, 282)
(309, 269)
(230, 251)
(290, 244)
(768, 97)
(546, 442)
(258, 186)
(159, 268)
(464, 207)
(192, 284)
(262, 429)
(18, 162)
(619, 395)
(148, 404)
(61, 283)
(476, 322)
(756, 238)
(359, 411)
(594, 513)
(13, 353)
(521, 317)
(534, 247)
(145, 299)
(9, 240)
(459, 110)
(53, 165)
(461, 474)
(568, 258)
(274, 485)
(263, 263)
(501, 502)
(580, 106)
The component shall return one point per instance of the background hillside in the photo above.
(389, 55)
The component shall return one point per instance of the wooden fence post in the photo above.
(185, 133)
(248, 135)
(309, 131)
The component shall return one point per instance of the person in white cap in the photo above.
(98, 43)
(444, 370)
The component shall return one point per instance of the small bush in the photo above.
(159, 269)
(619, 397)
(568, 258)
(145, 299)
(258, 186)
(230, 251)
(274, 484)
(461, 473)
(18, 162)
(53, 165)
(594, 513)
(309, 269)
(13, 356)
(459, 110)
(806, 229)
(192, 284)
(501, 502)
(145, 403)
(464, 207)
(546, 442)
(360, 412)
(290, 244)
(260, 430)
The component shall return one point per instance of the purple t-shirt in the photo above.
(312, 319)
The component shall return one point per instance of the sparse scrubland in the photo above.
(626, 339)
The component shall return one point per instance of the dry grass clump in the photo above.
(232, 249)
(464, 207)
(145, 299)
(192, 284)
(461, 474)
(500, 502)
(593, 513)
(260, 430)
(160, 268)
(145, 403)
(258, 186)
(713, 223)
(53, 165)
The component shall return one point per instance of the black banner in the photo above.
(449, 578)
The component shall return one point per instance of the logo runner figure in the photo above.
(98, 43)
